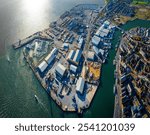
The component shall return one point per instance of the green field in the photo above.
(141, 2)
(106, 1)
(136, 2)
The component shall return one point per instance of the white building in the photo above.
(104, 30)
(101, 51)
(60, 70)
(51, 56)
(74, 56)
(80, 44)
(96, 50)
(80, 85)
(91, 56)
(77, 56)
(73, 68)
(96, 40)
(42, 67)
(71, 55)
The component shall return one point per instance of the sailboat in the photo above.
(8, 58)
(36, 98)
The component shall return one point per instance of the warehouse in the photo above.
(73, 69)
(74, 56)
(77, 57)
(71, 55)
(51, 56)
(101, 51)
(96, 40)
(104, 33)
(42, 67)
(60, 70)
(104, 30)
(96, 50)
(80, 85)
(91, 56)
(80, 44)
(99, 31)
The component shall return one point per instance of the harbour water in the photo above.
(18, 85)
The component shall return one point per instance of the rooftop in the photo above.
(96, 40)
(60, 69)
(77, 56)
(43, 66)
(80, 85)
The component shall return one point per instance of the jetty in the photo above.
(29, 39)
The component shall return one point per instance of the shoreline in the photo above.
(42, 36)
(118, 105)
(64, 108)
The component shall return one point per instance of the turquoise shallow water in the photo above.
(18, 85)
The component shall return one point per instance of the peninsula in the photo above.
(67, 57)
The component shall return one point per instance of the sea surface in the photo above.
(18, 85)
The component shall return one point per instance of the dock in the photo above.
(29, 39)
(69, 68)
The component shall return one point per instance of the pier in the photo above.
(29, 39)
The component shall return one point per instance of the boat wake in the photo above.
(41, 104)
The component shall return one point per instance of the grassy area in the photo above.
(140, 2)
(143, 13)
(121, 19)
(106, 1)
